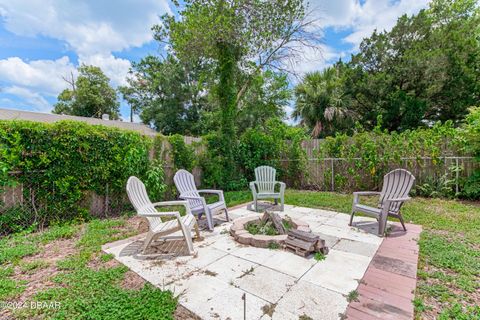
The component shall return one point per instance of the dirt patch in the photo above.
(40, 279)
(54, 251)
(269, 309)
(140, 224)
(132, 281)
(96, 264)
(184, 314)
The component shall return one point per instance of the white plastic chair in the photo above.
(264, 186)
(185, 183)
(157, 228)
(396, 187)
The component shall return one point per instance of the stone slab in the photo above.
(307, 299)
(254, 282)
(257, 255)
(204, 257)
(212, 284)
(230, 267)
(340, 271)
(228, 304)
(289, 263)
(357, 247)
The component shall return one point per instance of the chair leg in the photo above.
(351, 218)
(226, 214)
(382, 224)
(282, 202)
(402, 222)
(209, 219)
(255, 205)
(147, 241)
(188, 239)
(197, 230)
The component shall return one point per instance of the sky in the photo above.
(42, 41)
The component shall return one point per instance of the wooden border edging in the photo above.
(387, 288)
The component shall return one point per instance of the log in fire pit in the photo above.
(273, 231)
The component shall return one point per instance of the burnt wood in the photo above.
(277, 222)
(305, 236)
(293, 242)
(275, 219)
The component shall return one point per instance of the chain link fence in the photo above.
(346, 175)
(29, 201)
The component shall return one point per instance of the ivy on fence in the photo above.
(66, 162)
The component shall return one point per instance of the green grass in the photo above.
(9, 288)
(106, 257)
(448, 274)
(89, 294)
(57, 232)
(273, 246)
(319, 256)
(83, 292)
(31, 267)
(264, 228)
(352, 296)
(14, 247)
(449, 260)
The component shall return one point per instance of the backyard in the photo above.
(144, 142)
(64, 264)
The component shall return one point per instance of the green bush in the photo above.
(470, 139)
(258, 148)
(155, 180)
(211, 162)
(369, 155)
(183, 154)
(61, 164)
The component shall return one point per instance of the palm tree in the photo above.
(321, 103)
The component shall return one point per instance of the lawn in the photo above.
(64, 264)
(448, 284)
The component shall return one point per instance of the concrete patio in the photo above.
(276, 284)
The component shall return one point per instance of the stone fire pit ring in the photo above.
(241, 235)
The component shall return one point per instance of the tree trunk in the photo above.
(227, 98)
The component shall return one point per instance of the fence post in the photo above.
(107, 200)
(333, 175)
(456, 175)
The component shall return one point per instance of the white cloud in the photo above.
(89, 27)
(364, 18)
(316, 59)
(339, 13)
(29, 98)
(43, 76)
(92, 29)
(114, 68)
(351, 15)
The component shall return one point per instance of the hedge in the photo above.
(66, 162)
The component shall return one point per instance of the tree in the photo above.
(424, 70)
(90, 95)
(235, 35)
(321, 102)
(266, 98)
(167, 93)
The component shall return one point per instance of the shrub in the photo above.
(155, 179)
(368, 156)
(470, 138)
(260, 146)
(63, 163)
(183, 154)
(211, 162)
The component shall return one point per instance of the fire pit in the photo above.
(273, 231)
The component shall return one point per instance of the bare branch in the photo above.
(70, 81)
